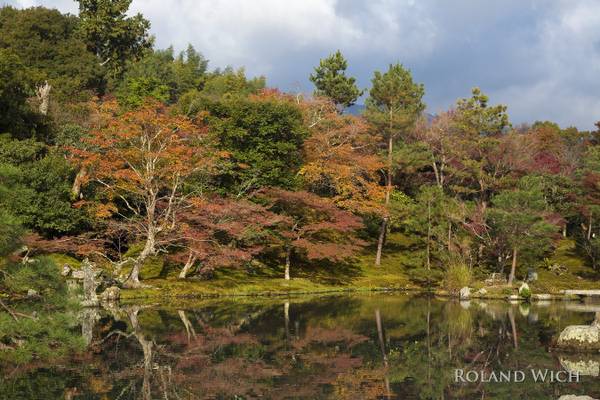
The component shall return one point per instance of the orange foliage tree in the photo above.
(341, 161)
(143, 161)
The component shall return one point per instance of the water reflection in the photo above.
(340, 347)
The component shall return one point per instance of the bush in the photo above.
(456, 277)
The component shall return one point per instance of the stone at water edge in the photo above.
(112, 293)
(464, 293)
(66, 270)
(580, 337)
(575, 397)
(524, 290)
(481, 292)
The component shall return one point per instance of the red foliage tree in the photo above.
(222, 232)
(316, 228)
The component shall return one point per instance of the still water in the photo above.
(385, 346)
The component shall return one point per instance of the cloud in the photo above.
(540, 58)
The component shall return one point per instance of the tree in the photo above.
(316, 228)
(341, 163)
(218, 232)
(262, 136)
(53, 53)
(112, 36)
(143, 160)
(162, 76)
(331, 81)
(517, 221)
(16, 117)
(394, 104)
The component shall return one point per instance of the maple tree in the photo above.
(315, 229)
(141, 161)
(221, 232)
(341, 163)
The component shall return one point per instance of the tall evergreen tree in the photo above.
(394, 104)
(331, 81)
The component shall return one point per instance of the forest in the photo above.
(157, 169)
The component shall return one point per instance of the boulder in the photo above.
(575, 397)
(78, 274)
(582, 367)
(66, 270)
(464, 293)
(524, 291)
(111, 294)
(580, 337)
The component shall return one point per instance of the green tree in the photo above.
(518, 223)
(262, 137)
(162, 76)
(394, 104)
(48, 44)
(331, 81)
(111, 35)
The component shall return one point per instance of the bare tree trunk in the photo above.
(564, 231)
(381, 240)
(43, 95)
(513, 267)
(589, 230)
(428, 238)
(287, 263)
(133, 281)
(78, 183)
(188, 265)
(380, 335)
(388, 193)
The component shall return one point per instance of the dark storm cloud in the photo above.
(541, 58)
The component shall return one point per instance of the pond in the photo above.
(384, 346)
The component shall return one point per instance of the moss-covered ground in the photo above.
(399, 270)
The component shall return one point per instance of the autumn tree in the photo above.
(316, 229)
(394, 104)
(341, 161)
(142, 161)
(331, 81)
(217, 232)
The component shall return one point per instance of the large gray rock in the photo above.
(581, 367)
(464, 293)
(111, 294)
(580, 337)
(575, 397)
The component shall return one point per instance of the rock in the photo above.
(111, 294)
(580, 337)
(481, 292)
(78, 274)
(514, 297)
(542, 297)
(464, 293)
(524, 290)
(582, 367)
(32, 293)
(66, 270)
(575, 397)
(532, 276)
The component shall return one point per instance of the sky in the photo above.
(541, 58)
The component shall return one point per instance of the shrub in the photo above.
(457, 276)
